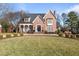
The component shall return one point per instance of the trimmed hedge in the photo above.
(1, 36)
(60, 34)
(77, 35)
(10, 35)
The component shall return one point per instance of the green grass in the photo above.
(39, 46)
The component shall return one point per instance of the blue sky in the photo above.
(43, 7)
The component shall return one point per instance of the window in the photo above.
(26, 19)
(49, 28)
(49, 21)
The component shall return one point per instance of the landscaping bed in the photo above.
(9, 35)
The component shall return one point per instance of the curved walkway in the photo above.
(42, 34)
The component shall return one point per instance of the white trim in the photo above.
(27, 19)
(49, 23)
(36, 19)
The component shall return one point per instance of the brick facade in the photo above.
(40, 22)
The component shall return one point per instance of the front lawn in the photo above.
(39, 45)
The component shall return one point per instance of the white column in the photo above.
(19, 28)
(36, 29)
(23, 28)
(28, 28)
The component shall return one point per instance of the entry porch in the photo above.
(26, 28)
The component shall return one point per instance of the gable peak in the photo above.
(49, 11)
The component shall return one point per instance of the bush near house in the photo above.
(10, 35)
(1, 36)
(77, 35)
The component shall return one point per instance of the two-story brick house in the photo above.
(38, 23)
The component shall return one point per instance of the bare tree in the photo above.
(4, 8)
(14, 17)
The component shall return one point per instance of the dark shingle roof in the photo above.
(32, 17)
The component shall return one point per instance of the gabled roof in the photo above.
(49, 13)
(38, 16)
(32, 17)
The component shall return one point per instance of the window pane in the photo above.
(49, 28)
(49, 22)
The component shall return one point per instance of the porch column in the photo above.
(36, 28)
(19, 28)
(23, 28)
(28, 27)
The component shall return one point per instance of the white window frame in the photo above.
(26, 19)
(48, 22)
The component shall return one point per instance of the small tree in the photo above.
(4, 24)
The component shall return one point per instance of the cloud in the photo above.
(73, 8)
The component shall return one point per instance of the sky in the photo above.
(44, 7)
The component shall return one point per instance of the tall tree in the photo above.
(73, 19)
(64, 19)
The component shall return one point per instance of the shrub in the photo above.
(4, 36)
(12, 35)
(67, 34)
(18, 34)
(58, 31)
(73, 36)
(45, 32)
(15, 35)
(60, 34)
(77, 35)
(8, 36)
(1, 36)
(21, 34)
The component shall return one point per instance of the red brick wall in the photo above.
(50, 16)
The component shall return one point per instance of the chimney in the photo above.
(54, 12)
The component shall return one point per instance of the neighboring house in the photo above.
(0, 28)
(38, 23)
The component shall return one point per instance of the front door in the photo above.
(38, 28)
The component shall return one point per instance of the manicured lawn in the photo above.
(39, 45)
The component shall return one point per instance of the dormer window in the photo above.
(26, 19)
